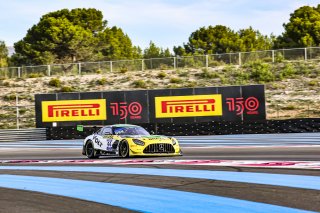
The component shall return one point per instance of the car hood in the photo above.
(149, 137)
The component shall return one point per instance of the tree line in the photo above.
(77, 35)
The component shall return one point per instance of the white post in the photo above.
(79, 68)
(239, 58)
(49, 70)
(110, 66)
(272, 56)
(207, 61)
(17, 109)
(305, 54)
(142, 64)
(19, 72)
(174, 63)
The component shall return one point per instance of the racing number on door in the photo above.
(109, 144)
(96, 140)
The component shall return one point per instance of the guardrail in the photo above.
(12, 135)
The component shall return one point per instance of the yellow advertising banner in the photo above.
(188, 106)
(74, 110)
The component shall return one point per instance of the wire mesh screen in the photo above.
(127, 65)
(191, 62)
(227, 58)
(64, 69)
(159, 63)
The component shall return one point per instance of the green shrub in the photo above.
(163, 67)
(242, 75)
(184, 74)
(24, 97)
(289, 107)
(191, 84)
(123, 69)
(66, 89)
(223, 80)
(216, 63)
(6, 115)
(35, 75)
(288, 71)
(139, 84)
(55, 82)
(208, 75)
(9, 97)
(99, 71)
(161, 75)
(176, 80)
(267, 59)
(5, 83)
(303, 69)
(22, 111)
(102, 81)
(279, 57)
(313, 83)
(260, 72)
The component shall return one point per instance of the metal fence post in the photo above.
(49, 70)
(17, 109)
(272, 56)
(142, 64)
(174, 63)
(19, 72)
(239, 58)
(79, 68)
(305, 54)
(110, 66)
(207, 61)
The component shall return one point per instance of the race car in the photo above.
(126, 140)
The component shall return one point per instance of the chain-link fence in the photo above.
(241, 58)
(17, 117)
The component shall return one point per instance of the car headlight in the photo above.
(138, 142)
(174, 141)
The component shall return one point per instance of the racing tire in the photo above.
(89, 150)
(124, 149)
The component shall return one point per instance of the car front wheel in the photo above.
(90, 152)
(124, 149)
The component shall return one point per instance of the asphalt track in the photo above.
(234, 173)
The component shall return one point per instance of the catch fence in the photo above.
(196, 61)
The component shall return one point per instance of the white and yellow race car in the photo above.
(126, 140)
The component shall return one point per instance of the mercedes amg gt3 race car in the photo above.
(128, 140)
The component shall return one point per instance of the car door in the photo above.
(98, 139)
(107, 139)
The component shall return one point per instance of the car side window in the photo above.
(99, 132)
(106, 131)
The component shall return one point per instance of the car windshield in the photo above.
(134, 130)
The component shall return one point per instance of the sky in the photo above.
(167, 23)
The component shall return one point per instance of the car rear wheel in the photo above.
(124, 149)
(90, 152)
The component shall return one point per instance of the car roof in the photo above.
(122, 125)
